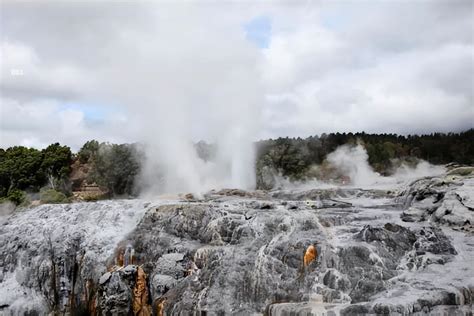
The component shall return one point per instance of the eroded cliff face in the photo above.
(335, 251)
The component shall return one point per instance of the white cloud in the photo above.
(40, 122)
(372, 70)
(38, 79)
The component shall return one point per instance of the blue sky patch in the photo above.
(92, 112)
(259, 31)
(334, 20)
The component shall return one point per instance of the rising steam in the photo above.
(352, 162)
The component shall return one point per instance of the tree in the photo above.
(20, 168)
(116, 167)
(88, 151)
(56, 164)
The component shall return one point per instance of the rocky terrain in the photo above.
(332, 251)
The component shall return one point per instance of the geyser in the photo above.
(185, 91)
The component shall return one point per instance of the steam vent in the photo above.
(349, 251)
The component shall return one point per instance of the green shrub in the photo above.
(16, 196)
(52, 196)
(93, 198)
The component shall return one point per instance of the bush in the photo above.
(16, 196)
(52, 196)
(115, 168)
(93, 198)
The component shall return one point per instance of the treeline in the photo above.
(27, 169)
(52, 174)
(55, 172)
(294, 157)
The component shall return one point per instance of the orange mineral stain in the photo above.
(160, 307)
(310, 255)
(140, 295)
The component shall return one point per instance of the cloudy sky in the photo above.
(121, 71)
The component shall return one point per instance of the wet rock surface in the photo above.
(340, 252)
(446, 200)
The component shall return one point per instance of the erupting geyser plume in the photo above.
(192, 88)
(173, 165)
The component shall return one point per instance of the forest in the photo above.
(294, 157)
(53, 173)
